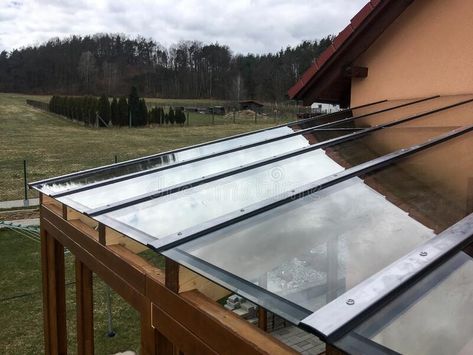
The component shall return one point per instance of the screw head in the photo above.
(423, 253)
(242, 210)
(179, 233)
(350, 302)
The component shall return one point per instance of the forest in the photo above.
(111, 63)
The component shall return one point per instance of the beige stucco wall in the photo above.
(428, 50)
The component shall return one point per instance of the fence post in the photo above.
(188, 118)
(25, 181)
(234, 114)
(213, 116)
(116, 158)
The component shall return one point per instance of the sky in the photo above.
(246, 26)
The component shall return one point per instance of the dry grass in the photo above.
(54, 146)
(21, 316)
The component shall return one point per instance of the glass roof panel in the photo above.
(355, 112)
(208, 201)
(313, 249)
(103, 195)
(416, 108)
(432, 317)
(62, 184)
(168, 159)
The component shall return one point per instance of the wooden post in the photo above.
(162, 344)
(262, 319)
(148, 334)
(84, 308)
(172, 275)
(54, 295)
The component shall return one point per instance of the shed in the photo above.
(251, 105)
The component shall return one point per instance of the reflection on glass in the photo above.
(449, 118)
(208, 201)
(433, 317)
(168, 159)
(311, 250)
(101, 196)
(353, 113)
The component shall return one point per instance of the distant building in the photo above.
(251, 105)
(319, 108)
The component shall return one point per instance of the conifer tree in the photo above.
(134, 106)
(123, 111)
(172, 117)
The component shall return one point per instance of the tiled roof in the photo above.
(338, 42)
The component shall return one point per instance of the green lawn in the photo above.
(54, 146)
(21, 330)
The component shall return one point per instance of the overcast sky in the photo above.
(256, 26)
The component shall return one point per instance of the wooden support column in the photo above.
(54, 295)
(262, 319)
(172, 275)
(148, 336)
(84, 308)
(162, 344)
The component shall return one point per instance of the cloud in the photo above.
(256, 26)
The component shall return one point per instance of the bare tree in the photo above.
(87, 69)
(110, 72)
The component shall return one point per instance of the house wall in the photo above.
(428, 50)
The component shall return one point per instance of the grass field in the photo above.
(21, 330)
(53, 146)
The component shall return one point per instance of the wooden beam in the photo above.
(356, 72)
(126, 280)
(112, 237)
(84, 308)
(331, 350)
(54, 295)
(175, 332)
(172, 275)
(220, 329)
(189, 280)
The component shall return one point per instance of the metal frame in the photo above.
(356, 344)
(256, 294)
(173, 240)
(220, 175)
(37, 185)
(336, 317)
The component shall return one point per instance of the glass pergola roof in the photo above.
(350, 225)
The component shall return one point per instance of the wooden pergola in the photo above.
(177, 307)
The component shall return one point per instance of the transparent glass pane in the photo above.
(314, 249)
(153, 162)
(168, 159)
(209, 201)
(351, 113)
(416, 108)
(433, 317)
(119, 191)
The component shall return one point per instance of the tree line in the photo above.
(122, 111)
(112, 63)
